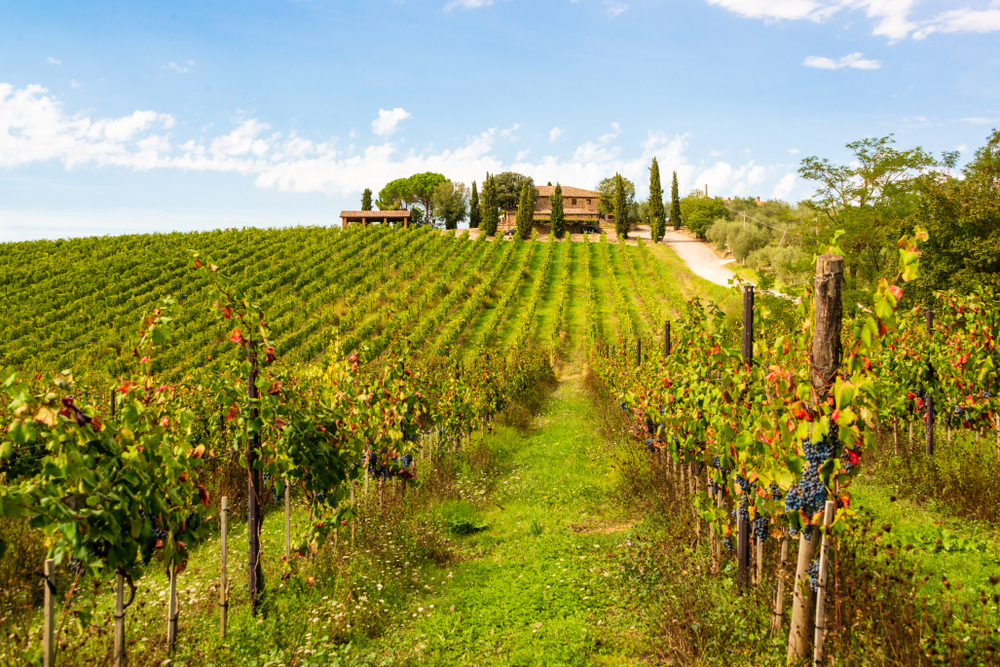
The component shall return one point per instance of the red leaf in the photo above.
(237, 337)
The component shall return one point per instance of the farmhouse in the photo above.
(367, 217)
(578, 204)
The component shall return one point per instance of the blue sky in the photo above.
(118, 117)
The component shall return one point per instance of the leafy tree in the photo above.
(421, 188)
(621, 206)
(393, 195)
(450, 201)
(416, 216)
(509, 186)
(490, 212)
(657, 214)
(475, 215)
(608, 188)
(525, 212)
(699, 211)
(962, 217)
(556, 217)
(675, 204)
(870, 199)
(366, 200)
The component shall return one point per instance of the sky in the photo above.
(119, 117)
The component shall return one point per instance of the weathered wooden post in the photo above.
(120, 660)
(826, 357)
(256, 569)
(223, 578)
(288, 517)
(48, 641)
(113, 406)
(779, 596)
(928, 399)
(828, 514)
(666, 338)
(172, 610)
(742, 523)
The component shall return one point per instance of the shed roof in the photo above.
(567, 191)
(375, 214)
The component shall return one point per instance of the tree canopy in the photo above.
(490, 213)
(450, 203)
(676, 218)
(508, 190)
(393, 195)
(621, 204)
(699, 211)
(655, 210)
(525, 212)
(366, 200)
(556, 218)
(475, 215)
(607, 189)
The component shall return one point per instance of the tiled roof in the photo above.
(547, 190)
(568, 211)
(374, 214)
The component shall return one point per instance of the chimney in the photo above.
(759, 202)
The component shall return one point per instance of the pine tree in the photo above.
(490, 215)
(525, 219)
(675, 204)
(657, 222)
(557, 218)
(366, 200)
(620, 208)
(475, 216)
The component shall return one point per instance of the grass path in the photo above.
(530, 588)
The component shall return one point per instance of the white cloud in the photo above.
(387, 121)
(52, 61)
(892, 18)
(76, 85)
(615, 8)
(854, 61)
(183, 68)
(510, 131)
(784, 187)
(467, 4)
(34, 128)
(555, 133)
(979, 120)
(714, 153)
(522, 154)
(793, 151)
(611, 135)
(961, 148)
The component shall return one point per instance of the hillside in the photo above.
(77, 303)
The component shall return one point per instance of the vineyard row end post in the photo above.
(827, 352)
(253, 506)
(928, 399)
(666, 338)
(49, 584)
(223, 578)
(743, 524)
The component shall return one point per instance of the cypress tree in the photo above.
(557, 218)
(475, 216)
(620, 208)
(675, 204)
(366, 200)
(525, 213)
(657, 221)
(490, 215)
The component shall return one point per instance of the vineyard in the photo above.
(393, 394)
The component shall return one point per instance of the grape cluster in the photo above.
(728, 541)
(157, 536)
(759, 527)
(650, 426)
(717, 464)
(813, 571)
(775, 491)
(649, 446)
(809, 494)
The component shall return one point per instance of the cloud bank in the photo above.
(34, 128)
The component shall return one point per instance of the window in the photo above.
(588, 202)
(573, 201)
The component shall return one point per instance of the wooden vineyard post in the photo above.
(779, 597)
(113, 403)
(256, 570)
(742, 522)
(826, 357)
(120, 660)
(49, 584)
(368, 457)
(895, 435)
(172, 610)
(758, 577)
(830, 510)
(928, 399)
(288, 517)
(223, 578)
(666, 338)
